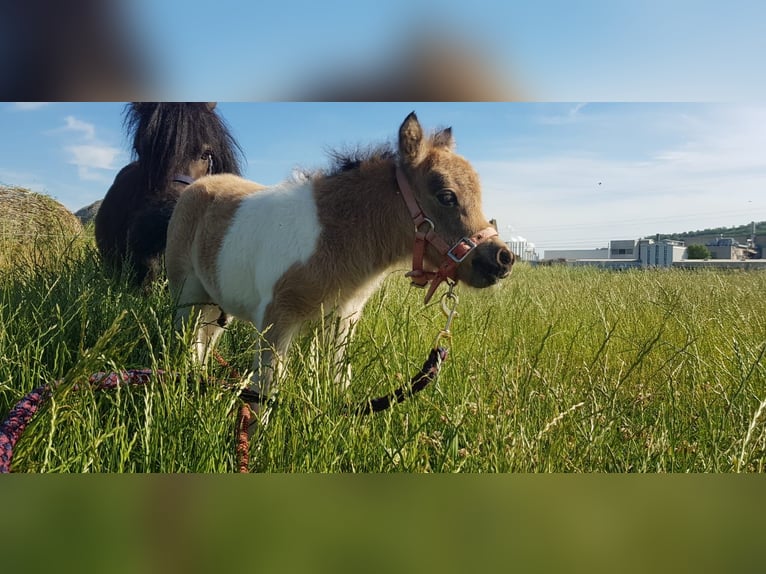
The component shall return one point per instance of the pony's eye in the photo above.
(447, 197)
(206, 155)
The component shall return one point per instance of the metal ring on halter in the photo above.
(425, 220)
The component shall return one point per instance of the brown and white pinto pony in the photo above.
(278, 256)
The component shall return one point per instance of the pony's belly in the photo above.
(246, 311)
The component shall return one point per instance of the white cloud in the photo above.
(572, 115)
(731, 140)
(86, 129)
(88, 174)
(90, 157)
(98, 156)
(714, 177)
(29, 106)
(566, 201)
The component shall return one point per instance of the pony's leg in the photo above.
(340, 330)
(269, 360)
(209, 320)
(348, 315)
(267, 369)
(268, 363)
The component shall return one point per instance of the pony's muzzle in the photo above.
(491, 262)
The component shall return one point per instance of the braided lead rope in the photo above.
(17, 421)
(23, 411)
(21, 414)
(243, 439)
(244, 417)
(430, 369)
(428, 372)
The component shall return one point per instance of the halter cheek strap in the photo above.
(425, 233)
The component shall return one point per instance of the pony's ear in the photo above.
(444, 139)
(412, 148)
(211, 106)
(141, 107)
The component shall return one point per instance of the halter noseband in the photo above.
(181, 178)
(425, 233)
(188, 180)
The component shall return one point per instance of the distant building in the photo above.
(624, 254)
(643, 253)
(729, 248)
(522, 249)
(623, 249)
(573, 254)
(660, 254)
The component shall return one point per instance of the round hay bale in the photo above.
(28, 216)
(88, 213)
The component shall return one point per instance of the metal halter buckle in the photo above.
(449, 303)
(454, 257)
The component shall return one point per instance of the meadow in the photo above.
(558, 369)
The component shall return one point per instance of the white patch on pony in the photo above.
(272, 230)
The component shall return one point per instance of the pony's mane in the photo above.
(348, 160)
(167, 136)
(345, 160)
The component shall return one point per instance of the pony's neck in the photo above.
(363, 211)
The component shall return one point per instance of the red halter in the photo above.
(452, 256)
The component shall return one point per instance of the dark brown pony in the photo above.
(173, 145)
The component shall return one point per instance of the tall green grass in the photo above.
(558, 369)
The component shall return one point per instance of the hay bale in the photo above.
(28, 216)
(88, 213)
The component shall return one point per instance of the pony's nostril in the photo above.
(505, 257)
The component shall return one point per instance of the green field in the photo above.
(557, 370)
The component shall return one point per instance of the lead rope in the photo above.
(19, 417)
(244, 415)
(430, 369)
(243, 440)
(21, 414)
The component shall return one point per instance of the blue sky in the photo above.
(559, 174)
(555, 50)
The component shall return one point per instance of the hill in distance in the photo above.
(702, 236)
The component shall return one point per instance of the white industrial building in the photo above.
(624, 249)
(623, 253)
(660, 254)
(522, 249)
(628, 253)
